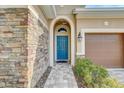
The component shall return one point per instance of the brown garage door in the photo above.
(105, 49)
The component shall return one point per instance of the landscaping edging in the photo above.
(43, 79)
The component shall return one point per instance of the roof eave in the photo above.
(81, 10)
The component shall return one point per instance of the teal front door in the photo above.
(62, 48)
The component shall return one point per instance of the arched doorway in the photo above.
(62, 41)
(54, 24)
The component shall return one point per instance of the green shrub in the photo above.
(92, 75)
(111, 83)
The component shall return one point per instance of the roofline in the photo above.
(79, 10)
(13, 6)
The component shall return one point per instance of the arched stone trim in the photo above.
(51, 52)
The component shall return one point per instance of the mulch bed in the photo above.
(43, 79)
(80, 85)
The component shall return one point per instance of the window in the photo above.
(62, 30)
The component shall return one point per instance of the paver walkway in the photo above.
(117, 74)
(61, 76)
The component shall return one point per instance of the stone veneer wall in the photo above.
(37, 49)
(13, 44)
(23, 48)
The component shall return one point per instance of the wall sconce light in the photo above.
(79, 36)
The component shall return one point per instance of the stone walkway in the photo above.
(61, 76)
(117, 74)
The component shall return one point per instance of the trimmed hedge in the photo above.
(94, 76)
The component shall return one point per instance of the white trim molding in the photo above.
(80, 54)
(98, 13)
(102, 30)
(96, 30)
(78, 10)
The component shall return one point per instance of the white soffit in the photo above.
(49, 11)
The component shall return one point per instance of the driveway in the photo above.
(117, 74)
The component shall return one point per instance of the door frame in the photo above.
(72, 38)
(56, 47)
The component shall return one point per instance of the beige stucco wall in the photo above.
(97, 25)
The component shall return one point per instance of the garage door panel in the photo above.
(105, 49)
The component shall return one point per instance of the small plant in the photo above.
(91, 75)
